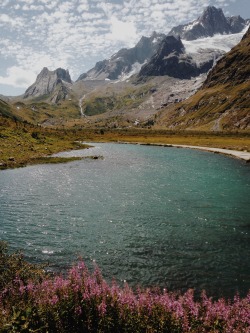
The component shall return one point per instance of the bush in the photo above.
(13, 265)
(83, 302)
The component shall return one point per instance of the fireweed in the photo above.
(83, 302)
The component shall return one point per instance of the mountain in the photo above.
(53, 85)
(126, 61)
(222, 103)
(211, 22)
(150, 52)
(234, 68)
(172, 60)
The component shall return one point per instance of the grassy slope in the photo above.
(22, 143)
(109, 100)
(223, 101)
(38, 111)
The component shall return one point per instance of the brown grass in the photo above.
(22, 144)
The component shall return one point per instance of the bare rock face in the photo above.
(172, 60)
(54, 84)
(125, 61)
(211, 22)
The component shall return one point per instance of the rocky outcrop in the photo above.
(211, 22)
(172, 60)
(51, 84)
(237, 23)
(125, 61)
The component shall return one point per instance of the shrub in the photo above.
(83, 302)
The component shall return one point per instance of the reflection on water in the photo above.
(171, 217)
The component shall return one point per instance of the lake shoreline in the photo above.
(245, 156)
(27, 150)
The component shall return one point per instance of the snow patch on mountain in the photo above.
(217, 42)
(191, 25)
(136, 67)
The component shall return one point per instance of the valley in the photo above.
(191, 91)
(155, 126)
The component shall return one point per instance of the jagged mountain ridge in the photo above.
(211, 22)
(166, 60)
(130, 61)
(54, 84)
(125, 60)
(222, 103)
(172, 60)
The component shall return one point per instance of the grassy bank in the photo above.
(235, 141)
(23, 144)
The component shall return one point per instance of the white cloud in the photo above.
(18, 77)
(75, 34)
(122, 31)
(83, 6)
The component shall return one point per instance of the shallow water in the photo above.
(175, 218)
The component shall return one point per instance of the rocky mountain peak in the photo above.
(125, 61)
(211, 13)
(63, 75)
(44, 71)
(48, 82)
(237, 23)
(211, 22)
(171, 44)
(170, 59)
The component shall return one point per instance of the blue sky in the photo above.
(75, 34)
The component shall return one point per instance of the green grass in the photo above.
(129, 98)
(22, 143)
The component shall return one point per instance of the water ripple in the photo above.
(169, 217)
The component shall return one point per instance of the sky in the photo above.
(75, 34)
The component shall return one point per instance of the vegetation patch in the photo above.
(128, 99)
(82, 301)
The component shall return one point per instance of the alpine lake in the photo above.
(149, 216)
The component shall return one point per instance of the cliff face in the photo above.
(222, 103)
(172, 60)
(54, 83)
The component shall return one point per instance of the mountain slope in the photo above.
(125, 61)
(6, 110)
(234, 68)
(211, 22)
(223, 101)
(53, 85)
(172, 60)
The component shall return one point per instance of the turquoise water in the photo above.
(154, 216)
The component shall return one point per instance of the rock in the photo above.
(55, 83)
(125, 61)
(211, 22)
(170, 59)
